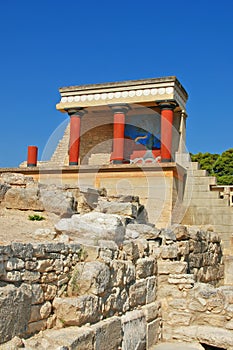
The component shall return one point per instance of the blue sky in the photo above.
(47, 44)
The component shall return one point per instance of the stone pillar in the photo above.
(32, 156)
(75, 127)
(166, 130)
(117, 156)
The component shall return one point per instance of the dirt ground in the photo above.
(15, 226)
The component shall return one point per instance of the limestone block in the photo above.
(16, 179)
(179, 318)
(77, 311)
(134, 330)
(145, 267)
(36, 326)
(14, 264)
(3, 190)
(215, 336)
(149, 232)
(91, 252)
(50, 291)
(152, 311)
(74, 338)
(130, 273)
(14, 302)
(183, 248)
(90, 277)
(39, 312)
(30, 276)
(181, 233)
(153, 333)
(12, 276)
(23, 199)
(151, 289)
(169, 251)
(117, 302)
(45, 265)
(21, 250)
(119, 208)
(108, 334)
(118, 271)
(37, 294)
(171, 267)
(58, 202)
(131, 250)
(168, 236)
(137, 293)
(93, 227)
(181, 279)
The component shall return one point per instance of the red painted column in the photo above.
(166, 130)
(32, 156)
(117, 156)
(75, 127)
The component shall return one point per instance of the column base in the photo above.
(30, 165)
(117, 161)
(166, 160)
(73, 163)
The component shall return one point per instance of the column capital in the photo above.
(120, 108)
(76, 112)
(168, 105)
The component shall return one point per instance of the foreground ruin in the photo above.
(104, 278)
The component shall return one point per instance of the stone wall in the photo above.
(107, 293)
(59, 285)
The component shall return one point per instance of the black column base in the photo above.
(30, 165)
(166, 160)
(116, 161)
(73, 163)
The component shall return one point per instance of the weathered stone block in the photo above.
(40, 312)
(171, 267)
(91, 277)
(23, 199)
(181, 233)
(134, 330)
(77, 311)
(149, 232)
(151, 289)
(14, 302)
(15, 264)
(37, 294)
(145, 267)
(93, 226)
(108, 334)
(119, 208)
(181, 279)
(151, 311)
(137, 293)
(153, 333)
(169, 252)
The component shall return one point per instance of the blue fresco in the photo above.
(149, 137)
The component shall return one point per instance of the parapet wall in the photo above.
(106, 296)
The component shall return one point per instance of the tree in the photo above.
(223, 168)
(217, 165)
(206, 160)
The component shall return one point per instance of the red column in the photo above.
(117, 156)
(166, 130)
(32, 156)
(75, 127)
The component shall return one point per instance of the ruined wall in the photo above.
(106, 289)
(58, 285)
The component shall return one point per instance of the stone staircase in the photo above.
(205, 207)
(60, 156)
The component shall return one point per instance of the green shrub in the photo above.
(36, 217)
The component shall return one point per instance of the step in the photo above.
(177, 346)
